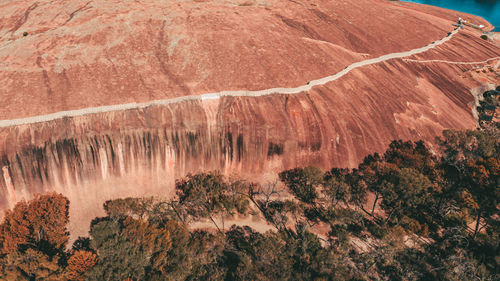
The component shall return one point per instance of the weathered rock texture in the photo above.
(79, 54)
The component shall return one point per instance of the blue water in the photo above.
(487, 9)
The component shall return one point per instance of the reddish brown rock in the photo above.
(80, 54)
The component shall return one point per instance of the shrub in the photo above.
(378, 231)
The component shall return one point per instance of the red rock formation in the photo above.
(80, 54)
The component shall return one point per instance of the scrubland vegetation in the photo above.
(409, 214)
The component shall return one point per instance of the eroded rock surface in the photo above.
(81, 54)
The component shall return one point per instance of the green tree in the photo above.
(208, 195)
(118, 258)
(180, 256)
(153, 241)
(303, 182)
(30, 265)
(406, 195)
(482, 181)
(207, 252)
(460, 146)
(340, 185)
(374, 174)
(157, 211)
(471, 160)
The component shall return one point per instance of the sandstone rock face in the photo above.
(73, 55)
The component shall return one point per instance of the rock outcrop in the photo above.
(74, 55)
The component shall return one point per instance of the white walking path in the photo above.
(454, 62)
(242, 93)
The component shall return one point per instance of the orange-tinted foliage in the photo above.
(79, 263)
(42, 219)
(15, 229)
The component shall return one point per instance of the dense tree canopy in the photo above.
(33, 237)
(407, 214)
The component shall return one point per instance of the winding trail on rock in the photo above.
(453, 62)
(240, 93)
